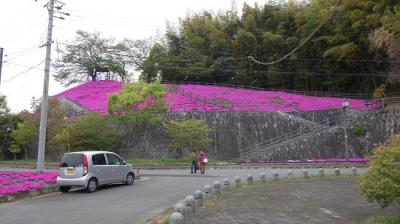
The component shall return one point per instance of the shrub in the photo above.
(381, 183)
(360, 129)
(187, 134)
(379, 92)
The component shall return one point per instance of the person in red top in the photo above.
(202, 158)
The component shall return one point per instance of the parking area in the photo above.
(328, 201)
(158, 190)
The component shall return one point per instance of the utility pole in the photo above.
(43, 114)
(346, 147)
(1, 61)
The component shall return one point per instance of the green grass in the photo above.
(387, 219)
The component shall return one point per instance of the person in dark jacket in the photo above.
(193, 158)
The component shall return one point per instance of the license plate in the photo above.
(70, 172)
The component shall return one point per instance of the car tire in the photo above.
(130, 178)
(92, 185)
(64, 189)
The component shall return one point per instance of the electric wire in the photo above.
(23, 72)
(301, 43)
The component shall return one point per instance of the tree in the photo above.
(151, 65)
(126, 54)
(26, 134)
(189, 134)
(381, 183)
(90, 132)
(139, 106)
(210, 47)
(3, 105)
(90, 54)
(14, 149)
(8, 123)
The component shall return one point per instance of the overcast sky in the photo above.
(23, 25)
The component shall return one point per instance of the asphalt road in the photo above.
(119, 204)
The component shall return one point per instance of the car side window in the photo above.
(99, 159)
(113, 159)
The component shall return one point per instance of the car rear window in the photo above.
(72, 160)
(99, 159)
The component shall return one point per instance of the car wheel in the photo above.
(129, 179)
(64, 189)
(92, 185)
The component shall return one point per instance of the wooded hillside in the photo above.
(355, 48)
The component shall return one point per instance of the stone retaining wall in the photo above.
(232, 131)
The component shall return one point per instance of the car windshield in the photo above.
(72, 160)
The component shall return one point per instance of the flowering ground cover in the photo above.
(93, 96)
(315, 161)
(248, 100)
(17, 182)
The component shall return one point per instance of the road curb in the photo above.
(27, 194)
(215, 167)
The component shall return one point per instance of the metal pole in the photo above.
(1, 61)
(346, 150)
(43, 114)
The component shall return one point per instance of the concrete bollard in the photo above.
(337, 171)
(275, 175)
(354, 170)
(227, 184)
(289, 174)
(189, 201)
(263, 178)
(180, 208)
(198, 198)
(238, 181)
(249, 179)
(216, 187)
(305, 173)
(176, 218)
(207, 191)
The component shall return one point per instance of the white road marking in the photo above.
(330, 213)
(142, 179)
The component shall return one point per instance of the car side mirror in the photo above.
(123, 163)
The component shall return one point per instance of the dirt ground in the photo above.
(327, 201)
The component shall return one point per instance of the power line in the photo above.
(279, 72)
(23, 50)
(103, 21)
(301, 43)
(22, 66)
(21, 54)
(260, 71)
(23, 72)
(235, 57)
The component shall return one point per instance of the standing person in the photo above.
(202, 161)
(193, 158)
